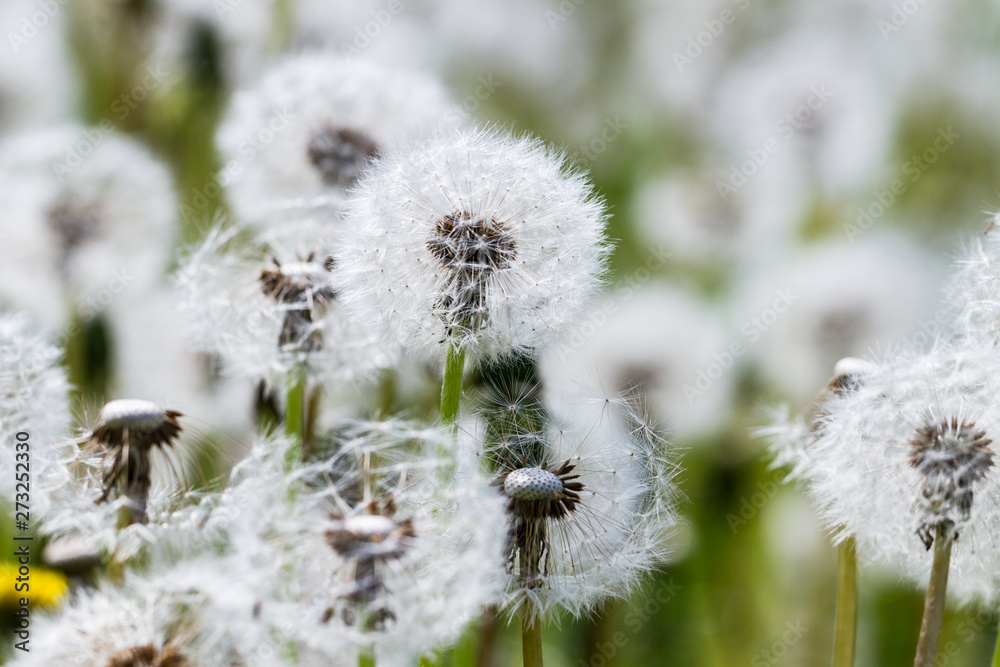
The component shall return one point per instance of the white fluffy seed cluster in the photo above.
(297, 140)
(473, 239)
(899, 451)
(620, 526)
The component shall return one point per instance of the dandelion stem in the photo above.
(930, 627)
(366, 657)
(996, 650)
(295, 415)
(451, 387)
(531, 640)
(846, 623)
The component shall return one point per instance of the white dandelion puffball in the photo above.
(88, 214)
(973, 291)
(678, 356)
(37, 82)
(136, 625)
(589, 499)
(905, 450)
(305, 133)
(270, 306)
(797, 318)
(472, 239)
(34, 402)
(375, 549)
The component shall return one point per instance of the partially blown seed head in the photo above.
(127, 432)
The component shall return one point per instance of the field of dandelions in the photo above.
(499, 332)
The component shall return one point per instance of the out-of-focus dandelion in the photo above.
(271, 311)
(134, 626)
(89, 214)
(672, 360)
(299, 139)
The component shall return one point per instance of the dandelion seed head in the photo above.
(588, 493)
(894, 461)
(473, 239)
(376, 550)
(81, 228)
(271, 304)
(326, 118)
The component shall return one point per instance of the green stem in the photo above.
(930, 627)
(846, 623)
(295, 416)
(366, 657)
(451, 387)
(531, 640)
(996, 650)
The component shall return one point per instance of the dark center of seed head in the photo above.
(471, 244)
(950, 456)
(73, 222)
(148, 656)
(340, 154)
(304, 282)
